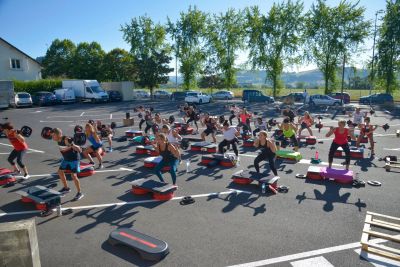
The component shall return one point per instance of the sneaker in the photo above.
(91, 163)
(110, 150)
(78, 196)
(101, 166)
(65, 190)
(26, 176)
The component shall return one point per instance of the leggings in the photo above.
(17, 155)
(227, 143)
(195, 122)
(334, 147)
(232, 117)
(264, 156)
(173, 164)
(148, 127)
(292, 139)
(141, 123)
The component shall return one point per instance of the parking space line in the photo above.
(307, 254)
(232, 191)
(302, 161)
(30, 149)
(110, 116)
(82, 113)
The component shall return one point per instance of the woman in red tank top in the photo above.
(340, 140)
(20, 148)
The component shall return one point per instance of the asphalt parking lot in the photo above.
(227, 225)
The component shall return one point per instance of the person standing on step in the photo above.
(289, 131)
(230, 138)
(20, 148)
(70, 161)
(340, 140)
(96, 147)
(211, 127)
(192, 115)
(268, 150)
(367, 130)
(170, 157)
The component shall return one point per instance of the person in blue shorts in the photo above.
(96, 147)
(70, 161)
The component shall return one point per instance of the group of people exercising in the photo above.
(168, 139)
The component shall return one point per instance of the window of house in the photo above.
(15, 64)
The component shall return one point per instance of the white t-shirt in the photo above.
(230, 134)
(172, 139)
(357, 117)
(262, 126)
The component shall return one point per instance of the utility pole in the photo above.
(373, 56)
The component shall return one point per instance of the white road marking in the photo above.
(312, 262)
(82, 113)
(302, 161)
(30, 149)
(110, 116)
(54, 121)
(96, 171)
(377, 260)
(307, 254)
(37, 111)
(128, 203)
(392, 149)
(7, 153)
(101, 119)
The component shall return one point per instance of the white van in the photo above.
(65, 95)
(89, 90)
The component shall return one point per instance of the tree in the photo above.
(333, 33)
(275, 38)
(118, 65)
(87, 61)
(388, 56)
(225, 34)
(188, 33)
(150, 52)
(58, 59)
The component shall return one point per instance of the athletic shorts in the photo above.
(73, 166)
(208, 131)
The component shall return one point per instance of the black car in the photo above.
(178, 96)
(381, 98)
(114, 96)
(44, 98)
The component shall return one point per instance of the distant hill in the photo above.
(309, 78)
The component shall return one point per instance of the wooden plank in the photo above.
(365, 236)
(383, 254)
(382, 235)
(382, 247)
(384, 225)
(383, 216)
(388, 223)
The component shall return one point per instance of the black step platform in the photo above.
(160, 190)
(149, 248)
(43, 197)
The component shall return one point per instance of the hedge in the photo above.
(36, 86)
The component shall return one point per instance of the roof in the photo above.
(34, 60)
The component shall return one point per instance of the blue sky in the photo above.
(31, 25)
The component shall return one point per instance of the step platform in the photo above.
(87, 169)
(139, 139)
(178, 124)
(204, 146)
(288, 155)
(228, 160)
(133, 133)
(149, 248)
(159, 190)
(340, 176)
(355, 153)
(309, 140)
(151, 163)
(314, 173)
(43, 197)
(146, 150)
(184, 130)
(248, 142)
(7, 176)
(247, 177)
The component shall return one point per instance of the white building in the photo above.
(16, 65)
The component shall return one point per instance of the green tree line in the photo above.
(206, 46)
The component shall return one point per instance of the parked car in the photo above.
(250, 95)
(23, 100)
(65, 95)
(381, 98)
(340, 96)
(292, 97)
(179, 96)
(197, 97)
(44, 98)
(114, 96)
(223, 95)
(323, 100)
(141, 94)
(161, 94)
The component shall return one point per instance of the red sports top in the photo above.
(18, 145)
(341, 138)
(244, 117)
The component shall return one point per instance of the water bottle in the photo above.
(188, 165)
(263, 188)
(316, 155)
(59, 212)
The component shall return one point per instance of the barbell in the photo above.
(25, 131)
(78, 139)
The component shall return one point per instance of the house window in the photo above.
(15, 64)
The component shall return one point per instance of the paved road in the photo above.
(230, 228)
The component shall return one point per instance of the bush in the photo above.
(36, 86)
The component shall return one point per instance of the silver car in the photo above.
(225, 95)
(23, 100)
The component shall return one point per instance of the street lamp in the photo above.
(373, 56)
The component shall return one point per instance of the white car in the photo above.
(141, 94)
(223, 95)
(323, 100)
(23, 100)
(162, 94)
(197, 97)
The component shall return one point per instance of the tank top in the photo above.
(209, 124)
(289, 132)
(307, 121)
(266, 150)
(341, 138)
(69, 154)
(244, 117)
(366, 129)
(18, 145)
(94, 142)
(166, 154)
